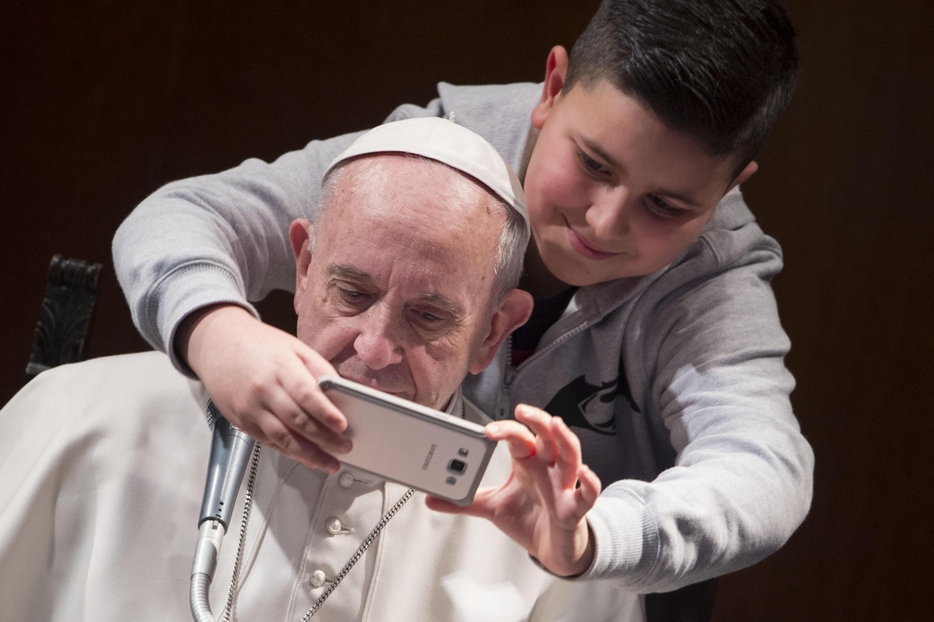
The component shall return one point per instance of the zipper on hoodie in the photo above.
(502, 405)
(511, 372)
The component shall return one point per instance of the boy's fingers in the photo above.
(589, 489)
(520, 440)
(274, 433)
(290, 403)
(479, 507)
(568, 443)
(303, 388)
(535, 418)
(500, 430)
(314, 457)
(309, 428)
(440, 505)
(538, 422)
(569, 451)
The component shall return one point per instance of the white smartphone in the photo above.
(407, 443)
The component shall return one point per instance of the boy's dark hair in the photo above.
(719, 70)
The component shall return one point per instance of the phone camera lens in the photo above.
(458, 466)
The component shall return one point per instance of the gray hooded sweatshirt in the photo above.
(675, 382)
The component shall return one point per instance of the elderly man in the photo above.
(405, 283)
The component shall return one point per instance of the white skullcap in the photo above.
(447, 142)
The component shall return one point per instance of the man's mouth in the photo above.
(374, 383)
(394, 379)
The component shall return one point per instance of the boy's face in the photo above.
(612, 191)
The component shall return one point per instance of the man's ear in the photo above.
(745, 174)
(512, 313)
(555, 70)
(300, 234)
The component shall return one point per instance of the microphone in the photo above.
(230, 455)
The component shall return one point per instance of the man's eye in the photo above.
(592, 166)
(352, 296)
(426, 319)
(660, 207)
(429, 317)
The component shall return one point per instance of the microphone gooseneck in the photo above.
(230, 456)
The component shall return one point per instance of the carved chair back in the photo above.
(65, 316)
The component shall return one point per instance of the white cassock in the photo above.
(102, 469)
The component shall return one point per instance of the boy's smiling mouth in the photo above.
(584, 247)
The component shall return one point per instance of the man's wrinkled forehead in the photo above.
(396, 203)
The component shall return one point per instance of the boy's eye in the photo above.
(660, 207)
(592, 166)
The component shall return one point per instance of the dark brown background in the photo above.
(101, 103)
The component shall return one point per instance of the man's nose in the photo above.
(377, 344)
(610, 212)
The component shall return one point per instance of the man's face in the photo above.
(612, 191)
(396, 291)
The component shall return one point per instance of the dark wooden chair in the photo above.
(65, 316)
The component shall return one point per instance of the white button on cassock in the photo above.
(318, 578)
(335, 527)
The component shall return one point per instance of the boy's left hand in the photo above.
(540, 505)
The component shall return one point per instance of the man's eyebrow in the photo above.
(348, 272)
(591, 145)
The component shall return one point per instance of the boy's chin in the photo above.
(570, 267)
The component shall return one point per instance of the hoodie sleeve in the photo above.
(710, 364)
(224, 238)
(221, 238)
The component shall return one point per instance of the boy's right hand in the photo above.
(543, 503)
(264, 381)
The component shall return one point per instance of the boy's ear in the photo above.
(512, 313)
(745, 174)
(300, 234)
(556, 69)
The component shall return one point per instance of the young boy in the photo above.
(655, 334)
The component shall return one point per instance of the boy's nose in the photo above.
(608, 215)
